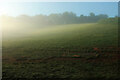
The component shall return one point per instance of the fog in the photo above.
(24, 25)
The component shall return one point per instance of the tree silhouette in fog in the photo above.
(56, 19)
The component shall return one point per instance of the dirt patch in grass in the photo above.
(92, 59)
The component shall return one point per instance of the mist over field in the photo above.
(24, 25)
(95, 30)
(60, 44)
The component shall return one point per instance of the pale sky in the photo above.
(59, 0)
(46, 8)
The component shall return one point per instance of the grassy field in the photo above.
(63, 51)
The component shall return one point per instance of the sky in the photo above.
(59, 0)
(46, 8)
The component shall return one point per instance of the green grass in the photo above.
(60, 69)
(68, 37)
(53, 42)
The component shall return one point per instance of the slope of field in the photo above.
(69, 37)
(52, 51)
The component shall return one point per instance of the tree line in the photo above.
(56, 19)
(114, 20)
